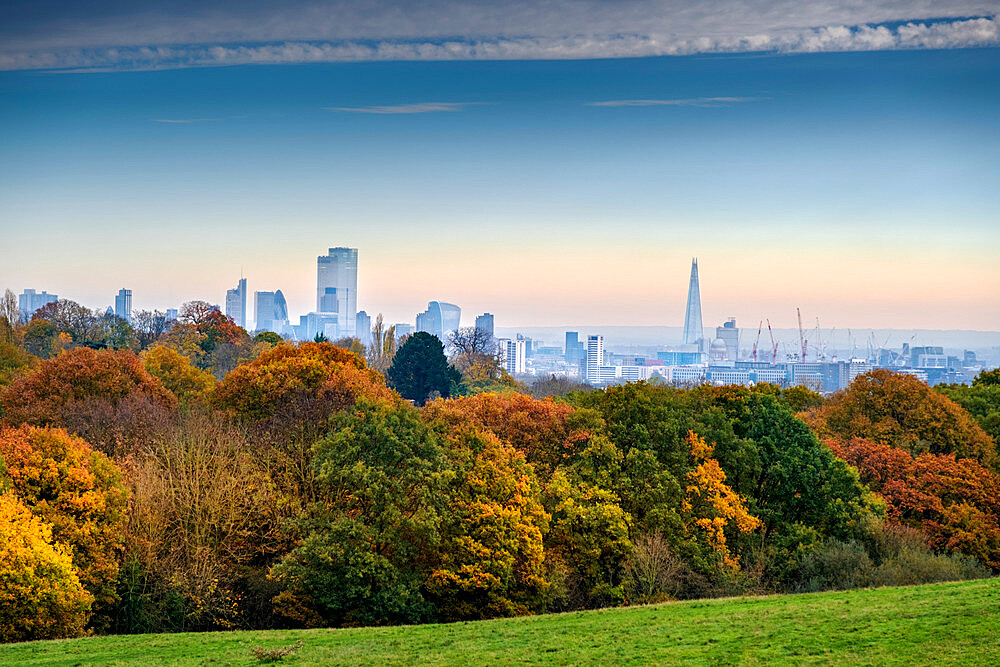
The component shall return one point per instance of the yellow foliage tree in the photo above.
(710, 504)
(178, 374)
(40, 594)
(78, 491)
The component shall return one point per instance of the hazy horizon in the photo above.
(539, 163)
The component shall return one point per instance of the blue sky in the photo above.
(861, 186)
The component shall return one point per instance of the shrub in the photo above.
(40, 594)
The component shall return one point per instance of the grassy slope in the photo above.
(942, 623)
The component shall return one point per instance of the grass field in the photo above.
(956, 623)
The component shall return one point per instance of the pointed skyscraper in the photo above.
(693, 330)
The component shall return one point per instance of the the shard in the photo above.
(693, 331)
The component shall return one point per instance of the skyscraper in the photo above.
(693, 329)
(270, 311)
(337, 287)
(595, 358)
(484, 323)
(123, 304)
(729, 333)
(512, 356)
(29, 301)
(440, 319)
(236, 303)
(363, 326)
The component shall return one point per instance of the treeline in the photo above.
(158, 492)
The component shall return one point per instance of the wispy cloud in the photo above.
(420, 107)
(689, 102)
(143, 35)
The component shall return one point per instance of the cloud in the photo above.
(421, 107)
(142, 35)
(691, 102)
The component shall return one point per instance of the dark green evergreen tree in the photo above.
(420, 369)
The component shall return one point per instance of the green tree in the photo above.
(420, 370)
(981, 400)
(374, 536)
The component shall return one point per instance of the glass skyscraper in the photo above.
(337, 287)
(123, 304)
(440, 319)
(693, 328)
(236, 303)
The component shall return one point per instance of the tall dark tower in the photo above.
(693, 330)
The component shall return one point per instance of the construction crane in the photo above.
(774, 346)
(802, 338)
(759, 326)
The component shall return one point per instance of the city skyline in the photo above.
(843, 161)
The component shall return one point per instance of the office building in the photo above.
(512, 356)
(440, 319)
(363, 327)
(403, 329)
(236, 303)
(270, 312)
(595, 358)
(573, 350)
(171, 315)
(337, 288)
(29, 301)
(484, 323)
(729, 334)
(693, 329)
(123, 304)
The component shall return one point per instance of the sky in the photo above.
(550, 162)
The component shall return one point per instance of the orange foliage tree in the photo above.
(78, 491)
(954, 502)
(710, 505)
(900, 410)
(40, 593)
(106, 396)
(546, 432)
(319, 374)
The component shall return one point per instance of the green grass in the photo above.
(957, 623)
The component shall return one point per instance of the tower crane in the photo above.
(802, 338)
(774, 346)
(759, 326)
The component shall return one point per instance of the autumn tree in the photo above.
(492, 558)
(76, 490)
(207, 506)
(40, 593)
(476, 354)
(710, 505)
(981, 400)
(420, 370)
(546, 432)
(901, 411)
(178, 374)
(14, 362)
(107, 397)
(383, 346)
(954, 502)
